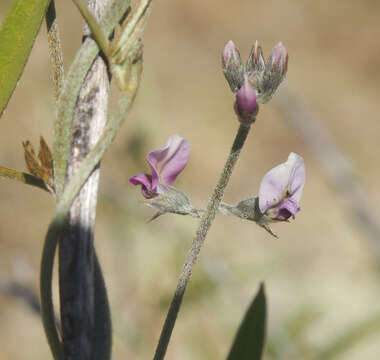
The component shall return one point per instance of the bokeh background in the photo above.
(322, 275)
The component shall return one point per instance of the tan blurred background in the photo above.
(322, 277)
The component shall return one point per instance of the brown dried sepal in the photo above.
(40, 166)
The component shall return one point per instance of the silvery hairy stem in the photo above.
(200, 236)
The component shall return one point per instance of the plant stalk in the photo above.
(200, 236)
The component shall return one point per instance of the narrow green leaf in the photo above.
(249, 341)
(17, 35)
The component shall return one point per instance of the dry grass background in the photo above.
(320, 274)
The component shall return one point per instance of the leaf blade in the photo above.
(250, 338)
(17, 35)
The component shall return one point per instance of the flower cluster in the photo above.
(257, 81)
(281, 188)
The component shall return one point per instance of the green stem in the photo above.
(94, 26)
(47, 308)
(69, 94)
(203, 228)
(108, 135)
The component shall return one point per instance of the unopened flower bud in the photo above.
(232, 66)
(255, 65)
(265, 77)
(275, 71)
(246, 106)
(279, 59)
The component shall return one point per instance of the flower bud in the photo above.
(245, 105)
(265, 77)
(232, 66)
(279, 60)
(275, 71)
(255, 65)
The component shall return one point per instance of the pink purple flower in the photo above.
(165, 163)
(281, 189)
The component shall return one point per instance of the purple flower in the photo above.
(165, 163)
(281, 189)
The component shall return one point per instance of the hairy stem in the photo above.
(55, 50)
(63, 206)
(200, 236)
(70, 90)
(76, 241)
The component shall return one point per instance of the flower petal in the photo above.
(145, 180)
(288, 176)
(287, 209)
(298, 177)
(246, 104)
(168, 162)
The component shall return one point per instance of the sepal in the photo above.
(171, 200)
(248, 209)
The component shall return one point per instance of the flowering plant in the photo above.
(279, 193)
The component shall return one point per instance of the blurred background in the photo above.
(322, 275)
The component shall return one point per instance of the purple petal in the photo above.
(298, 177)
(168, 162)
(284, 181)
(287, 209)
(145, 180)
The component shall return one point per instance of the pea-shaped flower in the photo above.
(166, 164)
(281, 189)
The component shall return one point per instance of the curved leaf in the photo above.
(17, 35)
(249, 341)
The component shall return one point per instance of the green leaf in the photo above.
(249, 341)
(17, 35)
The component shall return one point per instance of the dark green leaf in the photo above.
(17, 35)
(249, 341)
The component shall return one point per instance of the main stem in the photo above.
(200, 236)
(76, 257)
